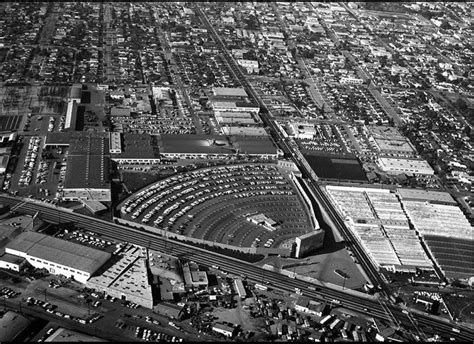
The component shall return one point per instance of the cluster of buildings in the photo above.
(382, 222)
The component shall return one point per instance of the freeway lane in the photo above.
(235, 266)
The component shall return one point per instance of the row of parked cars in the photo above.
(151, 335)
(30, 161)
(51, 308)
(9, 293)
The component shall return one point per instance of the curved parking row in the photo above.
(213, 204)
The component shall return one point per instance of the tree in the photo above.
(461, 104)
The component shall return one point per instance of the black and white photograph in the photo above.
(254, 171)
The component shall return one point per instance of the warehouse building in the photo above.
(214, 147)
(396, 166)
(126, 279)
(130, 148)
(59, 257)
(87, 165)
(71, 115)
(232, 99)
(244, 131)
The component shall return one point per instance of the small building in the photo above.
(193, 278)
(224, 329)
(115, 143)
(94, 207)
(428, 302)
(169, 310)
(11, 262)
(239, 287)
(263, 220)
(306, 305)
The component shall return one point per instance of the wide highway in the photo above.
(354, 301)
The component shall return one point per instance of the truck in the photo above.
(336, 324)
(325, 320)
(261, 287)
(355, 336)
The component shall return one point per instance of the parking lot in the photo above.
(213, 204)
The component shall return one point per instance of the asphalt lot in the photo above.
(214, 206)
(69, 301)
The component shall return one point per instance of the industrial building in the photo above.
(71, 115)
(381, 226)
(408, 166)
(214, 147)
(134, 149)
(229, 92)
(232, 99)
(115, 143)
(59, 257)
(127, 278)
(87, 165)
(244, 131)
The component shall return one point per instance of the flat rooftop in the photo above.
(67, 335)
(91, 145)
(215, 144)
(254, 145)
(425, 195)
(87, 171)
(59, 251)
(229, 92)
(128, 275)
(138, 146)
(199, 144)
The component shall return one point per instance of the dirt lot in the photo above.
(239, 316)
